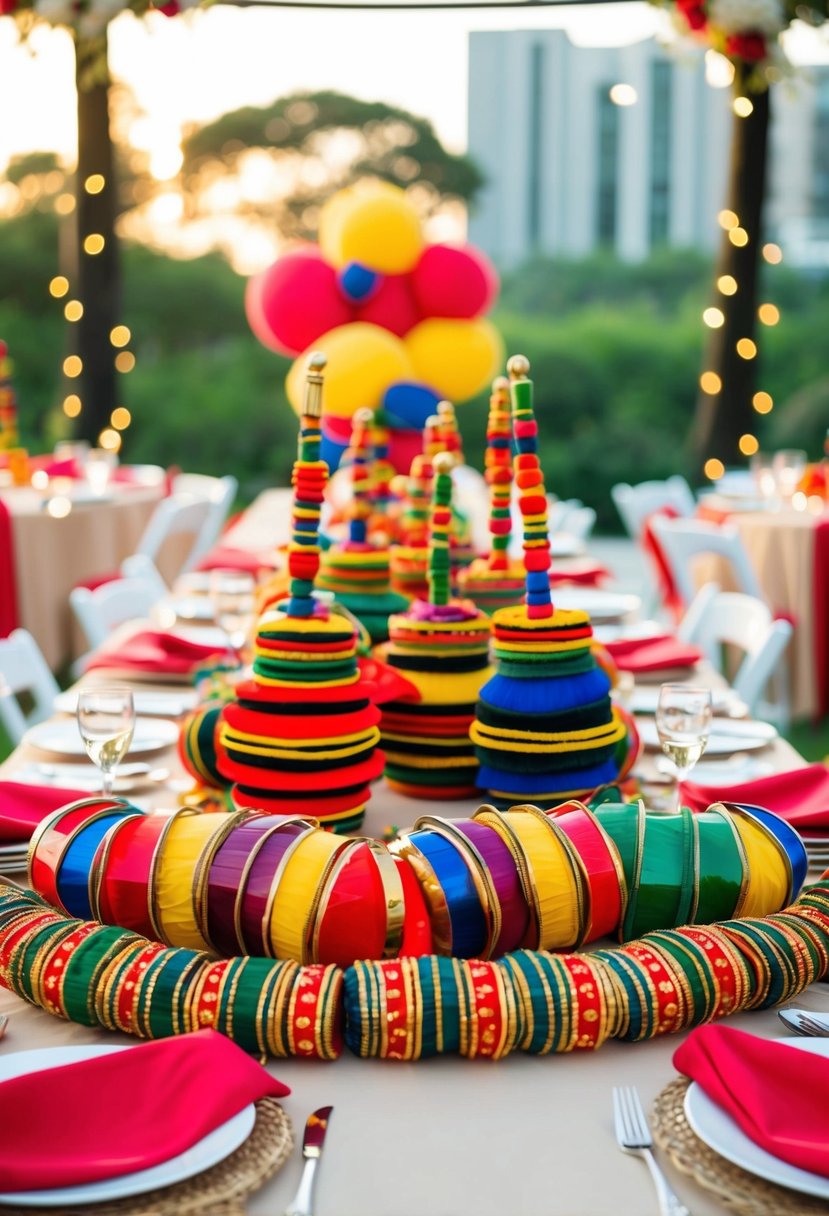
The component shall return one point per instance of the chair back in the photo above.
(220, 493)
(139, 566)
(636, 504)
(23, 669)
(101, 611)
(682, 540)
(580, 521)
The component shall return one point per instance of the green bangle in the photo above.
(722, 868)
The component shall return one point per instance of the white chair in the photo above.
(23, 669)
(636, 503)
(580, 521)
(220, 493)
(730, 618)
(100, 611)
(144, 568)
(683, 540)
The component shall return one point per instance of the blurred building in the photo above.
(627, 148)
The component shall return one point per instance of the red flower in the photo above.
(750, 47)
(171, 9)
(694, 13)
(7, 6)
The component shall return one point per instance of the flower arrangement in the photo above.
(746, 31)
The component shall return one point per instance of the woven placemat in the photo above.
(219, 1191)
(737, 1190)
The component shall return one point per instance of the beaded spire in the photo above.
(448, 431)
(532, 500)
(440, 527)
(382, 472)
(359, 508)
(410, 556)
(309, 479)
(8, 403)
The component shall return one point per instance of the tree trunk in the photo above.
(723, 416)
(98, 274)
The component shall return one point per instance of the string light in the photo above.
(109, 439)
(40, 480)
(120, 335)
(749, 444)
(59, 506)
(728, 219)
(710, 383)
(746, 349)
(742, 107)
(769, 314)
(121, 418)
(773, 253)
(623, 95)
(64, 204)
(93, 243)
(762, 403)
(58, 286)
(72, 405)
(727, 285)
(714, 317)
(738, 237)
(125, 361)
(73, 311)
(713, 469)
(95, 183)
(72, 366)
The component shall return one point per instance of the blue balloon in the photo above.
(358, 282)
(411, 403)
(331, 451)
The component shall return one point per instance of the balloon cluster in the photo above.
(400, 321)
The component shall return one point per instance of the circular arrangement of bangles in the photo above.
(253, 883)
(412, 1008)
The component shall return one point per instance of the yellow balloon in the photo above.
(455, 358)
(363, 360)
(374, 224)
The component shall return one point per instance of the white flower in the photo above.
(747, 16)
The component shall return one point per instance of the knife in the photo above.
(312, 1143)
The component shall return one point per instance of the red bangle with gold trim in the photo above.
(727, 964)
(668, 1014)
(602, 864)
(590, 1022)
(54, 967)
(490, 1014)
(124, 890)
(19, 930)
(51, 838)
(128, 988)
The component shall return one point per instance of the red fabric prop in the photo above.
(820, 581)
(123, 1112)
(295, 301)
(226, 557)
(153, 651)
(9, 618)
(392, 306)
(580, 572)
(775, 1093)
(801, 796)
(660, 653)
(23, 806)
(668, 590)
(454, 281)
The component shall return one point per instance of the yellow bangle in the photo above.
(557, 881)
(768, 879)
(298, 890)
(184, 843)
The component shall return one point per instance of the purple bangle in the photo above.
(259, 882)
(515, 914)
(224, 881)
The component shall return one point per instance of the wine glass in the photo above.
(683, 720)
(765, 481)
(99, 466)
(233, 595)
(789, 466)
(106, 721)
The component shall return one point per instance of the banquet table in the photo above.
(52, 553)
(790, 553)
(528, 1136)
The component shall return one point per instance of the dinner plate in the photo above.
(643, 700)
(62, 736)
(147, 704)
(207, 1152)
(719, 1131)
(723, 773)
(564, 544)
(724, 740)
(599, 605)
(193, 608)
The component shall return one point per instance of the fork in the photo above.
(812, 1027)
(634, 1136)
(4, 1021)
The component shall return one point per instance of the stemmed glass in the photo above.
(683, 721)
(106, 721)
(233, 593)
(789, 466)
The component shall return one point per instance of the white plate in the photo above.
(147, 704)
(724, 773)
(563, 544)
(719, 1131)
(214, 1147)
(733, 736)
(600, 605)
(202, 635)
(193, 608)
(62, 737)
(644, 699)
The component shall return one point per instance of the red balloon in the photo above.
(454, 281)
(295, 301)
(392, 306)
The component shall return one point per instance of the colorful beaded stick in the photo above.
(497, 581)
(545, 728)
(410, 557)
(8, 403)
(442, 648)
(358, 571)
(301, 735)
(449, 438)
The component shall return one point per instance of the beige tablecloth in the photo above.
(53, 555)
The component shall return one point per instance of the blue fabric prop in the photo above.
(359, 283)
(410, 403)
(547, 696)
(547, 783)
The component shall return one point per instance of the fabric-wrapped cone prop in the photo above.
(442, 648)
(545, 729)
(357, 571)
(301, 737)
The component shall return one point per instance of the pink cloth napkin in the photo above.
(660, 653)
(119, 1113)
(225, 557)
(801, 796)
(151, 650)
(9, 618)
(23, 806)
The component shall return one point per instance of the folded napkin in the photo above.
(660, 653)
(123, 1112)
(800, 796)
(225, 557)
(23, 806)
(776, 1094)
(151, 650)
(582, 572)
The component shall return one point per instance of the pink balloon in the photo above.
(454, 281)
(297, 300)
(392, 306)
